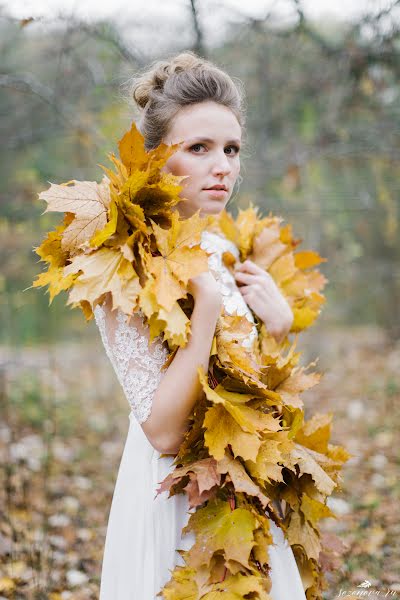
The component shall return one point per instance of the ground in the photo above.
(62, 434)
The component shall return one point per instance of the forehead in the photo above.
(205, 120)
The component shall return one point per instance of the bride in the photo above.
(189, 101)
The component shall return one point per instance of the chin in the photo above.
(207, 208)
(215, 207)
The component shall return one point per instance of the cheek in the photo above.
(236, 168)
(177, 166)
(188, 166)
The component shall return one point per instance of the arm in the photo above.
(161, 401)
(180, 388)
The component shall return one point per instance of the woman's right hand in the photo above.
(205, 288)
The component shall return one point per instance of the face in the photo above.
(209, 135)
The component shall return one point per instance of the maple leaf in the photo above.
(307, 258)
(141, 178)
(245, 222)
(313, 510)
(316, 432)
(105, 270)
(173, 323)
(55, 281)
(203, 477)
(301, 532)
(88, 201)
(297, 382)
(267, 246)
(225, 223)
(222, 429)
(231, 332)
(218, 528)
(248, 419)
(182, 585)
(236, 587)
(181, 258)
(240, 479)
(50, 251)
(307, 567)
(269, 462)
(176, 325)
(109, 228)
(135, 157)
(309, 461)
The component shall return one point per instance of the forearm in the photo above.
(180, 388)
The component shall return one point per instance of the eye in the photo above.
(235, 147)
(196, 146)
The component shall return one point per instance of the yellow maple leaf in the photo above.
(104, 270)
(247, 418)
(181, 258)
(307, 258)
(222, 429)
(50, 251)
(173, 324)
(135, 157)
(245, 223)
(271, 457)
(55, 279)
(315, 433)
(218, 528)
(313, 510)
(237, 587)
(182, 585)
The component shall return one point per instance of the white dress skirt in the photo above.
(145, 529)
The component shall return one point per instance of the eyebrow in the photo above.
(210, 140)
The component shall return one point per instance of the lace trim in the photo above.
(138, 370)
(232, 299)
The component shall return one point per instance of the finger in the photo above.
(250, 290)
(245, 277)
(251, 267)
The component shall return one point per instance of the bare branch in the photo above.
(27, 83)
(198, 45)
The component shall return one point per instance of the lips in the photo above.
(216, 193)
(218, 188)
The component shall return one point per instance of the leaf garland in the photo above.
(124, 237)
(249, 456)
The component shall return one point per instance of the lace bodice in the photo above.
(233, 300)
(136, 362)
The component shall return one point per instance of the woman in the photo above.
(191, 102)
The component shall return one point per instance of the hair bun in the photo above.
(162, 89)
(155, 78)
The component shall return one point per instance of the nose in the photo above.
(221, 164)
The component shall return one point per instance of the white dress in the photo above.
(144, 532)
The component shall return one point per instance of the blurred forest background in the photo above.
(322, 150)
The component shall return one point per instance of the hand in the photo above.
(204, 287)
(263, 296)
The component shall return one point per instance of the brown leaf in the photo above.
(88, 201)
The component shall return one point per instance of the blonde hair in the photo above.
(168, 85)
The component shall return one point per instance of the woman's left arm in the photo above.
(263, 296)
